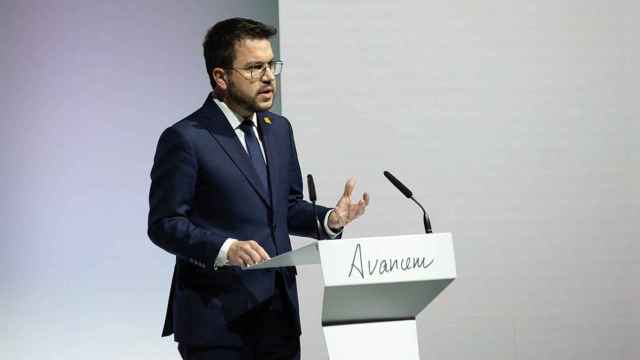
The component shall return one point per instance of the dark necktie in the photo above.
(253, 149)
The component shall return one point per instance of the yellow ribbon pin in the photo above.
(267, 120)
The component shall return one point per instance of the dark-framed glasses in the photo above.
(257, 71)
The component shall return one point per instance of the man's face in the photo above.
(246, 95)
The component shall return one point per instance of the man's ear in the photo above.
(220, 78)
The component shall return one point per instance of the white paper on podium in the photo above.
(305, 255)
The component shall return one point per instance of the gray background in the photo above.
(514, 122)
(86, 89)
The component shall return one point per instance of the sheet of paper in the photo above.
(303, 256)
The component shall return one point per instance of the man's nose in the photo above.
(268, 74)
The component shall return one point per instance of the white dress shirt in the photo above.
(235, 120)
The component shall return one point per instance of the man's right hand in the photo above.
(245, 253)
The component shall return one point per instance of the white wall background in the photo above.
(517, 124)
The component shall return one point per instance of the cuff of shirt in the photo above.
(327, 229)
(221, 259)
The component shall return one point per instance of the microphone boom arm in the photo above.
(406, 192)
(425, 217)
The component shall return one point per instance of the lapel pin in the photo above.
(267, 120)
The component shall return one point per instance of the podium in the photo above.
(374, 288)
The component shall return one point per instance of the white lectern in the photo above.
(374, 289)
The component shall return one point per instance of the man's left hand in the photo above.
(346, 211)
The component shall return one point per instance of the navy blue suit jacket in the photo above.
(204, 190)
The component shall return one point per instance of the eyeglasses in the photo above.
(257, 71)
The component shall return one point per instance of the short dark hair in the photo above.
(221, 38)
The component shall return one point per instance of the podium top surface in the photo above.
(375, 260)
(376, 278)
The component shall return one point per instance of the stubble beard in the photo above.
(246, 102)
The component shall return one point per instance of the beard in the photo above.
(248, 102)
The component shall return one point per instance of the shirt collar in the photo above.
(234, 119)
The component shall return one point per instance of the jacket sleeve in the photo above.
(300, 218)
(173, 180)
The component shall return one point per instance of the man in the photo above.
(226, 192)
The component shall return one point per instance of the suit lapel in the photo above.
(222, 132)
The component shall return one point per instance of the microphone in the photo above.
(312, 189)
(311, 186)
(406, 192)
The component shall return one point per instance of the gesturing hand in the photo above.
(345, 211)
(245, 253)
